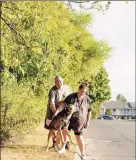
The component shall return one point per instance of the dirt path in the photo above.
(33, 148)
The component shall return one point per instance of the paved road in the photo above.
(110, 140)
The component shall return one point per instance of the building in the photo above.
(126, 110)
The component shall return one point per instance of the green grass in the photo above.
(33, 147)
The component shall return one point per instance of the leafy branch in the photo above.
(18, 37)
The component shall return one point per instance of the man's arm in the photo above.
(52, 106)
(89, 112)
(59, 109)
(52, 100)
(89, 117)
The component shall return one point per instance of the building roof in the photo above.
(119, 105)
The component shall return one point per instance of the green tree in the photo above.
(40, 40)
(121, 98)
(100, 6)
(99, 90)
(35, 53)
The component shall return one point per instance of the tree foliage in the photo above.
(99, 90)
(101, 6)
(40, 40)
(108, 112)
(121, 98)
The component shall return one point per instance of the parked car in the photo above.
(105, 117)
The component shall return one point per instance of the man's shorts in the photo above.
(76, 133)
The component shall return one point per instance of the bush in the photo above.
(108, 112)
(20, 110)
(122, 117)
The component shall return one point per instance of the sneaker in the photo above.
(62, 150)
(67, 147)
(83, 157)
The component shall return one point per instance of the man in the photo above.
(56, 94)
(81, 118)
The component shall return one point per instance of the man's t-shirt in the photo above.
(56, 95)
(79, 117)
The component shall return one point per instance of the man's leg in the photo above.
(65, 144)
(64, 141)
(67, 138)
(81, 144)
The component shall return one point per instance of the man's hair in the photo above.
(59, 77)
(82, 86)
(85, 82)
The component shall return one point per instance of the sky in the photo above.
(117, 27)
